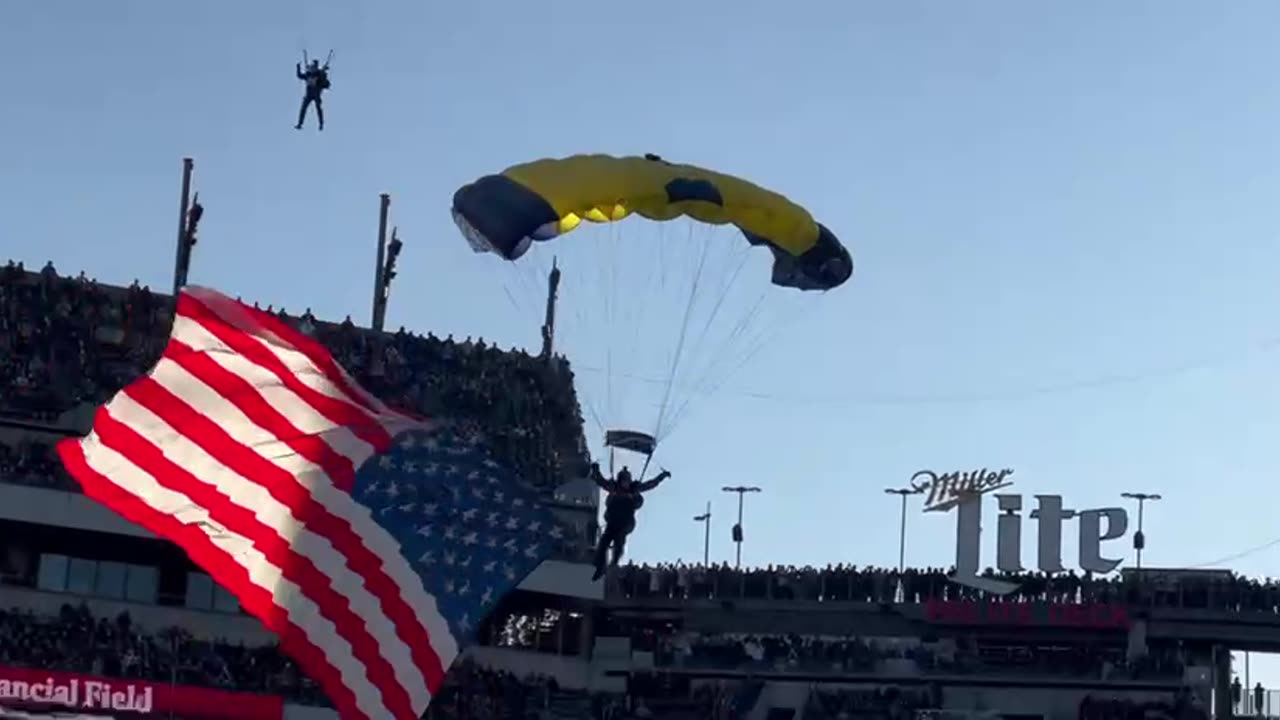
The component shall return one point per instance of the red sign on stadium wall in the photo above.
(1092, 616)
(23, 686)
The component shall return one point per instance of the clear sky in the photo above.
(1063, 218)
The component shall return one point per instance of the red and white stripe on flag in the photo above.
(240, 446)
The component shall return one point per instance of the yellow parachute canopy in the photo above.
(543, 199)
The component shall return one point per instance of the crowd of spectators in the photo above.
(70, 343)
(888, 703)
(75, 641)
(848, 583)
(1183, 707)
(872, 655)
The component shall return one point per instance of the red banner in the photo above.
(1087, 616)
(86, 692)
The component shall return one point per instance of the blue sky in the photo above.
(1062, 218)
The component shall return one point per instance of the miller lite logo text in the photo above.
(950, 489)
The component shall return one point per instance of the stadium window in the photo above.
(52, 574)
(224, 601)
(199, 591)
(204, 594)
(80, 576)
(109, 580)
(141, 584)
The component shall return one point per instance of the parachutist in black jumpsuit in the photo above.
(625, 497)
(317, 80)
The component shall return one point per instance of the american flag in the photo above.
(372, 543)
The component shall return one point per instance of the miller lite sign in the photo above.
(965, 493)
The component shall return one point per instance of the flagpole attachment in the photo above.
(187, 221)
(549, 322)
(385, 269)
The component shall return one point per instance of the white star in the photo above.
(427, 558)
(474, 475)
(491, 542)
(509, 545)
(450, 558)
(465, 589)
(499, 497)
(512, 524)
(465, 562)
(469, 514)
(407, 507)
(432, 443)
(449, 586)
(531, 552)
(487, 596)
(393, 490)
(373, 487)
(493, 518)
(470, 538)
(493, 480)
(557, 532)
(490, 566)
(430, 509)
(424, 531)
(534, 526)
(386, 462)
(410, 467)
(517, 502)
(477, 493)
(431, 468)
(464, 622)
(490, 463)
(409, 441)
(451, 469)
(451, 532)
(509, 573)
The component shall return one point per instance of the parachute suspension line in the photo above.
(769, 336)
(739, 330)
(527, 289)
(684, 332)
(597, 298)
(610, 267)
(721, 353)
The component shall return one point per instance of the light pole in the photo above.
(737, 529)
(705, 519)
(902, 525)
(1140, 540)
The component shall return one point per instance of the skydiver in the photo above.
(625, 497)
(316, 78)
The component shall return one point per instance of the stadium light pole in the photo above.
(904, 493)
(737, 529)
(1140, 540)
(705, 519)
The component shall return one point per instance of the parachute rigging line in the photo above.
(684, 331)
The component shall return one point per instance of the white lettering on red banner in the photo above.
(86, 692)
(87, 695)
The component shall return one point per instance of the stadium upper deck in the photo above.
(68, 344)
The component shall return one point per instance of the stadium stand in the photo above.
(67, 344)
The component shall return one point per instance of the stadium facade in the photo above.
(103, 619)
